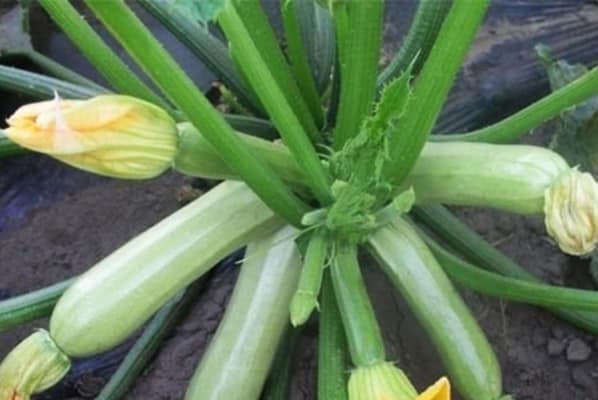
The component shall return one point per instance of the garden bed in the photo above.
(56, 222)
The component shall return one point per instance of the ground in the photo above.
(55, 223)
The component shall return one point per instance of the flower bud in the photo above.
(112, 135)
(33, 366)
(571, 212)
(384, 381)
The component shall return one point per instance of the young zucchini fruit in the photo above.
(239, 357)
(373, 376)
(465, 351)
(517, 178)
(114, 298)
(197, 157)
(506, 177)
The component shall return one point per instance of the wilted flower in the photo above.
(384, 381)
(33, 366)
(571, 212)
(118, 136)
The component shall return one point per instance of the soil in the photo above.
(56, 222)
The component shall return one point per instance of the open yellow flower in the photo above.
(441, 390)
(384, 381)
(118, 136)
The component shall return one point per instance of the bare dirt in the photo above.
(55, 223)
(541, 357)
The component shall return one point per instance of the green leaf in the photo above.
(370, 146)
(393, 101)
(361, 188)
(577, 136)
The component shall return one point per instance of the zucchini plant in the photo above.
(322, 156)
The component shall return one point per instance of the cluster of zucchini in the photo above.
(356, 170)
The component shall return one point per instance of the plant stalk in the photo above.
(165, 72)
(432, 87)
(359, 37)
(97, 52)
(513, 127)
(475, 249)
(364, 338)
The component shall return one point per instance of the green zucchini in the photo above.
(463, 347)
(239, 357)
(115, 297)
(197, 157)
(507, 177)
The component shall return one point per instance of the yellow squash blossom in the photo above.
(112, 135)
(384, 381)
(571, 212)
(33, 366)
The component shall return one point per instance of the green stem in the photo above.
(335, 94)
(97, 52)
(165, 72)
(8, 148)
(419, 40)
(432, 87)
(40, 86)
(332, 347)
(59, 71)
(359, 320)
(294, 14)
(261, 128)
(278, 384)
(359, 37)
(474, 248)
(252, 40)
(146, 346)
(513, 127)
(209, 49)
(493, 284)
(31, 306)
(318, 37)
